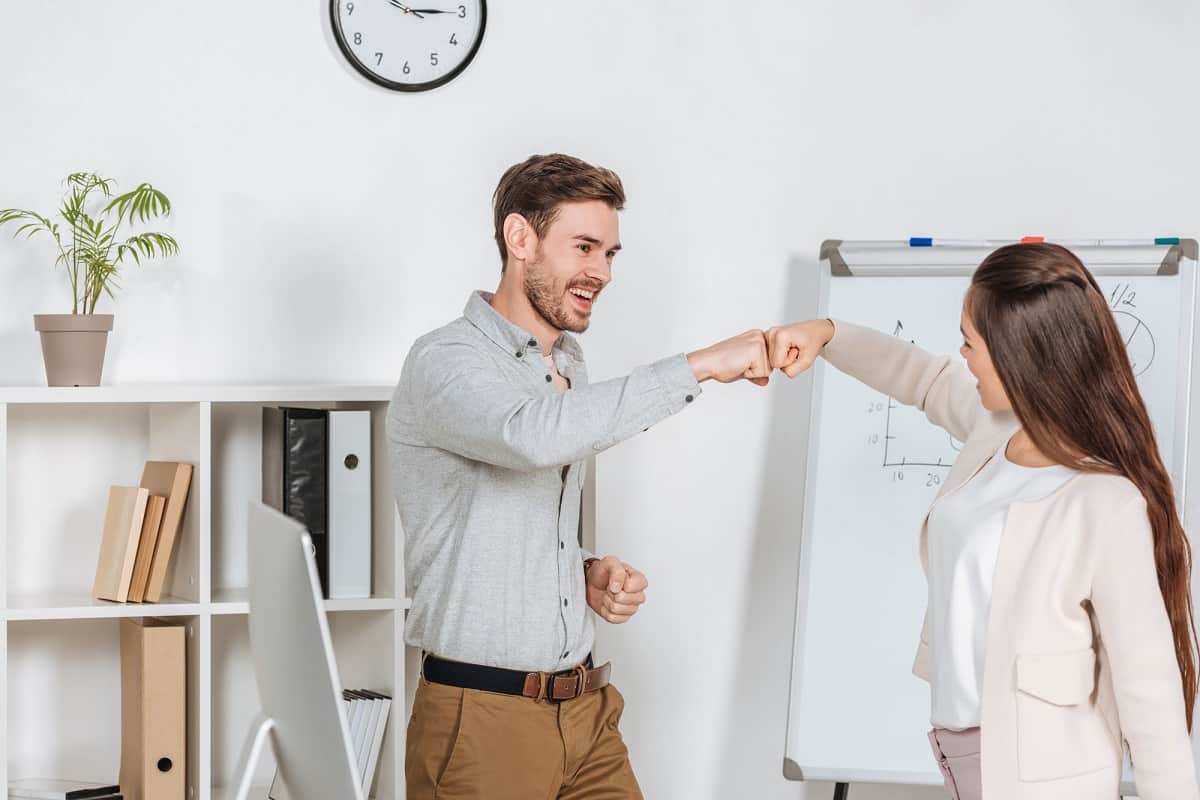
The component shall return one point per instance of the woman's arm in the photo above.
(938, 385)
(1136, 633)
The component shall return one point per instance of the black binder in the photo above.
(295, 474)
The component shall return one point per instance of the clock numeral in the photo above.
(406, 68)
(358, 38)
(462, 12)
(349, 9)
(433, 59)
(378, 59)
(454, 38)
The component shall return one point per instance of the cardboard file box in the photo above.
(153, 710)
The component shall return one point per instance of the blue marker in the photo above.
(921, 241)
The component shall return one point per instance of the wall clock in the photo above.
(409, 46)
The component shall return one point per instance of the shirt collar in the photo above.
(506, 334)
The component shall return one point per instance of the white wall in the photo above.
(325, 224)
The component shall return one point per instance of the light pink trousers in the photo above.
(957, 754)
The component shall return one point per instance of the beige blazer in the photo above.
(1080, 656)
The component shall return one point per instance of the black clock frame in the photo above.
(362, 69)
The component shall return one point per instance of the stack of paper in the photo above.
(59, 789)
(367, 715)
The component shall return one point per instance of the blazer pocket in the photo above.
(1060, 731)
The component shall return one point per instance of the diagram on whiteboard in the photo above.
(1139, 340)
(908, 440)
(903, 447)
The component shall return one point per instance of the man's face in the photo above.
(572, 264)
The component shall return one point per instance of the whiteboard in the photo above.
(856, 712)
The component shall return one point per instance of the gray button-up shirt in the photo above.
(479, 438)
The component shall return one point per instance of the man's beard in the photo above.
(551, 304)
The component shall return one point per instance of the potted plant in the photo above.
(73, 344)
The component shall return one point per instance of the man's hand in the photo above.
(793, 348)
(743, 356)
(615, 590)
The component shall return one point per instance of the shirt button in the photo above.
(562, 545)
(548, 379)
(533, 343)
(564, 602)
(688, 399)
(520, 354)
(564, 655)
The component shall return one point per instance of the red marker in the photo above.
(1033, 239)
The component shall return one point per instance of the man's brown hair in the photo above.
(537, 186)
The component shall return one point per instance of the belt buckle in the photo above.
(580, 674)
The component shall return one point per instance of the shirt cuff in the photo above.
(677, 382)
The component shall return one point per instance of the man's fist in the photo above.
(743, 356)
(615, 590)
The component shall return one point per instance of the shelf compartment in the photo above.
(362, 645)
(237, 481)
(64, 699)
(52, 544)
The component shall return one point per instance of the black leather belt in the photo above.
(553, 686)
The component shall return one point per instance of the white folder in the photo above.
(349, 504)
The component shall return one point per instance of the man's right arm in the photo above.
(464, 406)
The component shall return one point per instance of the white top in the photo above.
(560, 383)
(965, 527)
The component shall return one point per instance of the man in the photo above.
(489, 429)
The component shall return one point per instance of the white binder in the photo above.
(349, 504)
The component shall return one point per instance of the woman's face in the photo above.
(979, 361)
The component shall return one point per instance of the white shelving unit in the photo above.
(59, 657)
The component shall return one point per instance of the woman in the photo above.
(1060, 621)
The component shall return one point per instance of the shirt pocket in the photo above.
(1060, 731)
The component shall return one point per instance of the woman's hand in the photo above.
(793, 348)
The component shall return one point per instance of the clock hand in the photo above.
(431, 11)
(406, 9)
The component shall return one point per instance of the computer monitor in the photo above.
(303, 716)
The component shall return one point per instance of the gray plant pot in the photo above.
(73, 347)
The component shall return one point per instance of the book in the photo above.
(170, 479)
(145, 549)
(119, 545)
(59, 789)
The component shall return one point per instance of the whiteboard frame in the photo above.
(847, 259)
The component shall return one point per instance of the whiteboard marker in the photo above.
(919, 241)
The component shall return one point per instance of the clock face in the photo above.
(409, 46)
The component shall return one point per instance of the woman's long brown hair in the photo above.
(1063, 363)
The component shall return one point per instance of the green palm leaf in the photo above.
(144, 202)
(147, 245)
(34, 222)
(96, 250)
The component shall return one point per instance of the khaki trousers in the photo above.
(465, 744)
